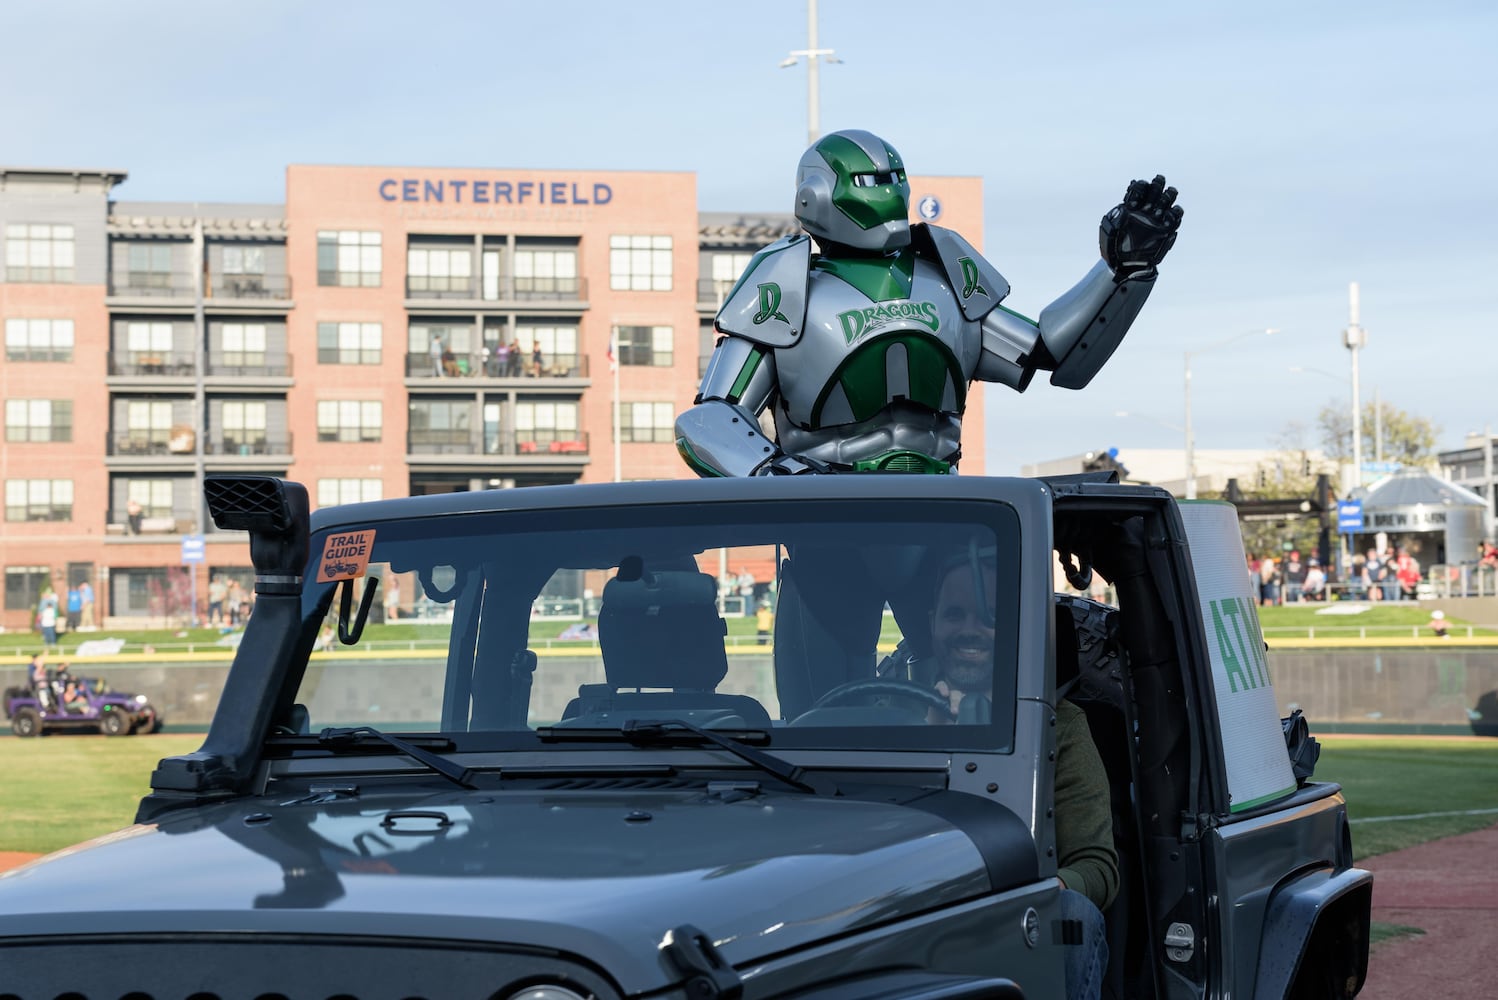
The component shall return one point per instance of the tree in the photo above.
(1407, 438)
(1289, 473)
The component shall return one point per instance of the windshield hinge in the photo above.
(692, 953)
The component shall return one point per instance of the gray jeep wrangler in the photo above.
(675, 809)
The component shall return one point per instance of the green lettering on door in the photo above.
(1232, 665)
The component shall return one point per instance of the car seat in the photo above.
(660, 630)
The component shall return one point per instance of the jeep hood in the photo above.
(599, 874)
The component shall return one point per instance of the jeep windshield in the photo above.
(879, 624)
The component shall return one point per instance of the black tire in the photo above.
(158, 724)
(27, 722)
(114, 723)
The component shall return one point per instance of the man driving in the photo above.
(962, 644)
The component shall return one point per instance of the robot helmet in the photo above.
(851, 190)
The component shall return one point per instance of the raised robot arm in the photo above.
(1077, 333)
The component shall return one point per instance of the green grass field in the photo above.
(1281, 624)
(60, 790)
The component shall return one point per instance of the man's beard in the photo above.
(966, 673)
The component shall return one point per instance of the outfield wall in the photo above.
(1367, 689)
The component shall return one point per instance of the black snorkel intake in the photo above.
(276, 514)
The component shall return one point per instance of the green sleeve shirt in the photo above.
(1084, 817)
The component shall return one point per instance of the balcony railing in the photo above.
(421, 365)
(249, 444)
(549, 288)
(147, 442)
(507, 288)
(153, 284)
(542, 441)
(249, 286)
(441, 288)
(247, 364)
(442, 442)
(149, 522)
(178, 363)
(555, 441)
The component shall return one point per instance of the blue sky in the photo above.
(1313, 145)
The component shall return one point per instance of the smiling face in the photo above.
(961, 634)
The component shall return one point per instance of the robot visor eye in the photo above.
(875, 180)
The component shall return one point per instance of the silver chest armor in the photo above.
(869, 377)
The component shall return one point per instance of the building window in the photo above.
(493, 424)
(724, 271)
(558, 347)
(38, 499)
(243, 345)
(153, 495)
(440, 349)
(244, 260)
(647, 422)
(148, 343)
(38, 253)
(348, 343)
(331, 492)
(38, 340)
(149, 265)
(24, 586)
(436, 269)
(148, 423)
(542, 423)
(640, 263)
(348, 420)
(545, 273)
(644, 345)
(38, 420)
(440, 423)
(244, 425)
(139, 591)
(348, 259)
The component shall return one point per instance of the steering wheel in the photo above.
(913, 694)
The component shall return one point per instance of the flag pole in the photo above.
(614, 365)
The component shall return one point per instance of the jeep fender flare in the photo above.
(1299, 912)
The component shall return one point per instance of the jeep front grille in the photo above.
(273, 966)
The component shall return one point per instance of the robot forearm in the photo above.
(1075, 335)
(719, 438)
(1081, 329)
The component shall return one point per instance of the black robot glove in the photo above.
(1136, 234)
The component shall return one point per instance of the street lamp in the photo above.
(813, 57)
(1190, 438)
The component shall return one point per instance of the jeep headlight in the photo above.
(140, 699)
(546, 993)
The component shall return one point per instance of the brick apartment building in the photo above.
(349, 339)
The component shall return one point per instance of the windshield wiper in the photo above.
(667, 732)
(456, 773)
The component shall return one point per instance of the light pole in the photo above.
(813, 56)
(1353, 338)
(1191, 438)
